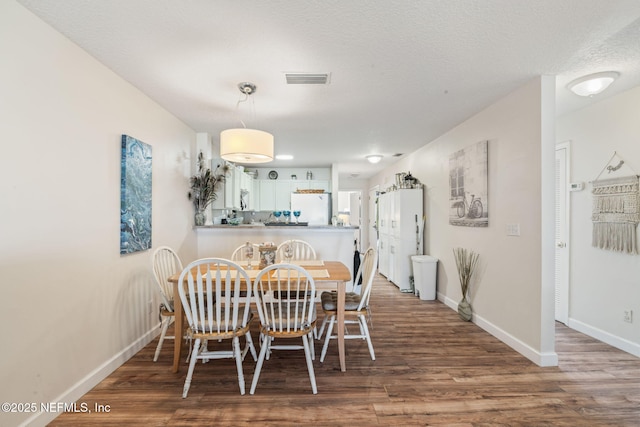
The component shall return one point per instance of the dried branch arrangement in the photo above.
(466, 262)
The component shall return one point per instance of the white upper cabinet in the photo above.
(266, 195)
(275, 194)
(229, 193)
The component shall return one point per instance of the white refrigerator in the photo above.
(315, 208)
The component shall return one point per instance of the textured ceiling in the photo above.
(402, 72)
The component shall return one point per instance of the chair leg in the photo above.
(324, 324)
(205, 348)
(251, 347)
(327, 337)
(312, 346)
(165, 327)
(263, 351)
(237, 351)
(307, 354)
(365, 328)
(192, 365)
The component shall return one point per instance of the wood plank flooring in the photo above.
(431, 368)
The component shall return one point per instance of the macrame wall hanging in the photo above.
(616, 211)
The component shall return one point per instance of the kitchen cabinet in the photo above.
(400, 216)
(266, 195)
(283, 194)
(232, 189)
(247, 191)
(229, 193)
(384, 218)
(275, 194)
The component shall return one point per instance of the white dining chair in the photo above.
(216, 298)
(285, 319)
(240, 253)
(356, 308)
(294, 249)
(165, 262)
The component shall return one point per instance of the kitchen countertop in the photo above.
(329, 242)
(278, 227)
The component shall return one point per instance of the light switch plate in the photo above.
(513, 229)
(576, 186)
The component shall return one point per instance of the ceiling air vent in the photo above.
(308, 78)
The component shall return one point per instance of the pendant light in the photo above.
(242, 145)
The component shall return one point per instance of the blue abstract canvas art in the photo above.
(135, 196)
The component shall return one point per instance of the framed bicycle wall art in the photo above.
(468, 196)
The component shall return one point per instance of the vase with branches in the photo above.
(466, 263)
(203, 187)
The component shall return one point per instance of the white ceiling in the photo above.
(402, 72)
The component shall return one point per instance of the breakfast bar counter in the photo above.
(328, 241)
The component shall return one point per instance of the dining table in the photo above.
(327, 276)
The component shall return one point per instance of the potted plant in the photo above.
(203, 187)
(466, 262)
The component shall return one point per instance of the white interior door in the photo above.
(561, 233)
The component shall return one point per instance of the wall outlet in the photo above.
(628, 316)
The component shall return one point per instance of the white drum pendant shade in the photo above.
(246, 146)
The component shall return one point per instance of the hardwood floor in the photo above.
(431, 368)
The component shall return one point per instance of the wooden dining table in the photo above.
(338, 276)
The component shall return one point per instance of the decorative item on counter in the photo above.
(287, 216)
(203, 187)
(466, 263)
(267, 254)
(277, 214)
(296, 214)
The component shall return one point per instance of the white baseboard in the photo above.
(540, 359)
(92, 379)
(606, 337)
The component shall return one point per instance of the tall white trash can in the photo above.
(425, 270)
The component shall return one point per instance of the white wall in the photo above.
(73, 308)
(602, 283)
(512, 289)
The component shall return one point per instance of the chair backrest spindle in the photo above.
(214, 296)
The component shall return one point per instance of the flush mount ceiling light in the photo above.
(374, 158)
(244, 145)
(592, 84)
